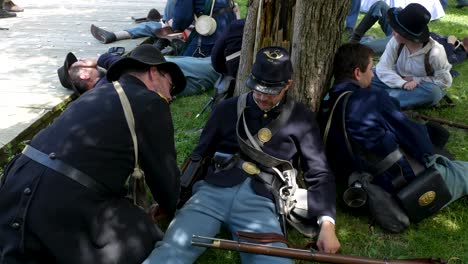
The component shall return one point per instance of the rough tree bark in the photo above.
(319, 25)
(310, 29)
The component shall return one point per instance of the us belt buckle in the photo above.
(250, 168)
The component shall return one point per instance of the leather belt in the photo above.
(52, 163)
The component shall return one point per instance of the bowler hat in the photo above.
(271, 71)
(148, 55)
(63, 75)
(410, 22)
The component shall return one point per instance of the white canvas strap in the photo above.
(137, 172)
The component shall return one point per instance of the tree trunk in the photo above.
(310, 29)
(320, 26)
(247, 51)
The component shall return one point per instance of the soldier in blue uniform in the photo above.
(61, 199)
(376, 127)
(184, 12)
(87, 73)
(234, 195)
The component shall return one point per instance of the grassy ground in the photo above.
(442, 235)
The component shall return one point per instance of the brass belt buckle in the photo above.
(250, 168)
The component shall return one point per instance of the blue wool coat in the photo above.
(298, 139)
(375, 124)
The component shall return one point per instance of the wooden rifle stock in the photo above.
(303, 254)
(436, 119)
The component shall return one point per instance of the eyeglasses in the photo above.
(163, 73)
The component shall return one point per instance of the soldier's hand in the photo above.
(156, 213)
(327, 241)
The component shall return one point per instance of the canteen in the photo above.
(205, 25)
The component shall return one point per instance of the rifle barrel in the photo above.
(294, 252)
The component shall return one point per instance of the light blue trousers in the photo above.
(198, 72)
(454, 173)
(237, 207)
(144, 29)
(352, 17)
(379, 9)
(425, 94)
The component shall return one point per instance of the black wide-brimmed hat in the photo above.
(271, 71)
(147, 54)
(63, 75)
(410, 22)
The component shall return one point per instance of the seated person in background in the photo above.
(225, 55)
(199, 44)
(225, 58)
(455, 49)
(352, 17)
(234, 195)
(85, 74)
(413, 68)
(376, 127)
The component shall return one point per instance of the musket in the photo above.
(302, 254)
(436, 119)
(212, 99)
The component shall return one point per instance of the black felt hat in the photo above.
(271, 71)
(147, 54)
(63, 75)
(410, 22)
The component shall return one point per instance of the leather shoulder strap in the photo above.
(137, 172)
(327, 127)
(378, 167)
(427, 65)
(247, 147)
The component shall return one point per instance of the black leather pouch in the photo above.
(425, 195)
(193, 169)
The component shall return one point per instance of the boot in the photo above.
(154, 15)
(9, 6)
(6, 14)
(105, 36)
(367, 22)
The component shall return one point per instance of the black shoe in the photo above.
(153, 15)
(102, 35)
(161, 43)
(6, 14)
